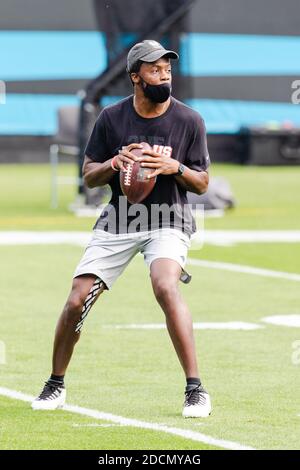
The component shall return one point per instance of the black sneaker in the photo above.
(52, 397)
(197, 403)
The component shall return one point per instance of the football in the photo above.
(134, 182)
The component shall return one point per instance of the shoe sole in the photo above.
(37, 408)
(36, 405)
(196, 416)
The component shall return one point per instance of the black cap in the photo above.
(148, 51)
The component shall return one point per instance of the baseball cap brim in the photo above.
(155, 55)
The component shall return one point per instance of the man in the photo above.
(179, 159)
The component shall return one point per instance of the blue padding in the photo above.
(236, 54)
(32, 114)
(227, 116)
(37, 114)
(51, 55)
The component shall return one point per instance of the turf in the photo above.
(136, 373)
(277, 256)
(22, 429)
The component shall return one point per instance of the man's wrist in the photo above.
(180, 170)
(113, 164)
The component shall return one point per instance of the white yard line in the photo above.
(185, 433)
(212, 237)
(292, 320)
(232, 237)
(231, 325)
(82, 239)
(96, 425)
(240, 268)
(45, 238)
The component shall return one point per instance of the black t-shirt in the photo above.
(178, 133)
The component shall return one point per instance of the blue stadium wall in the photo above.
(238, 60)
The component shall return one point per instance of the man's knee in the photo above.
(73, 308)
(165, 290)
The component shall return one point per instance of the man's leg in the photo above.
(66, 335)
(85, 291)
(165, 274)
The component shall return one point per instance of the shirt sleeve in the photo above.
(197, 157)
(97, 148)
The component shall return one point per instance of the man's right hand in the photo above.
(125, 155)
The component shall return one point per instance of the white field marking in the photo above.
(233, 325)
(232, 237)
(82, 239)
(212, 237)
(185, 433)
(45, 238)
(240, 268)
(292, 321)
(95, 425)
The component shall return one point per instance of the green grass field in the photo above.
(134, 373)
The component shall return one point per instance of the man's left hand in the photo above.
(163, 165)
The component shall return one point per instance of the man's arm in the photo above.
(194, 181)
(96, 174)
(99, 174)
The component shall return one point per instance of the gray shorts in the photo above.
(108, 254)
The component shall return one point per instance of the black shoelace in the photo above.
(195, 396)
(49, 390)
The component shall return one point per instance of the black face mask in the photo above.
(157, 93)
